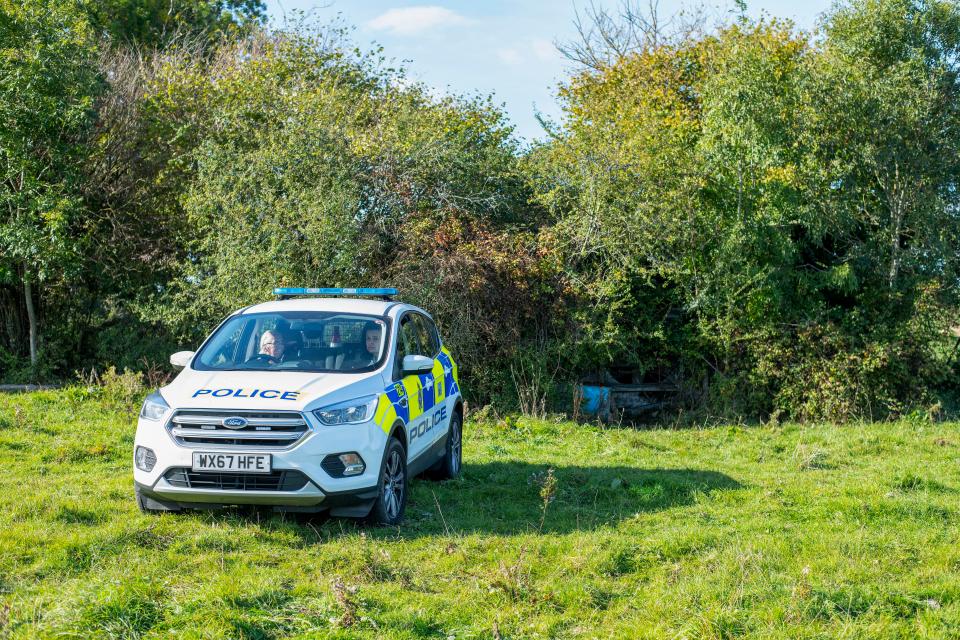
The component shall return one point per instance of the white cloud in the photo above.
(509, 56)
(539, 49)
(543, 49)
(410, 21)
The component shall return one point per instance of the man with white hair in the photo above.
(271, 348)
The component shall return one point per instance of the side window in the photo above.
(428, 336)
(417, 336)
(408, 341)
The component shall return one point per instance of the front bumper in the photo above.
(351, 503)
(351, 496)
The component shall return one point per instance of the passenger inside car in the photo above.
(370, 349)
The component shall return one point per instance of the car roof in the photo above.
(340, 305)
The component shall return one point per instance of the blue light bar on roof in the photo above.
(334, 291)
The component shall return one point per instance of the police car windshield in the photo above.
(322, 341)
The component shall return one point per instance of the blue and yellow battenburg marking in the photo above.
(409, 398)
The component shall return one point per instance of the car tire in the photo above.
(449, 466)
(392, 487)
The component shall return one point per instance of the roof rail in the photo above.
(385, 293)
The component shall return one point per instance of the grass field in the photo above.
(555, 530)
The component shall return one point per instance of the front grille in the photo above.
(204, 427)
(278, 480)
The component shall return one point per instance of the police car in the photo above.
(312, 402)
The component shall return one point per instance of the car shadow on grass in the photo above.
(514, 498)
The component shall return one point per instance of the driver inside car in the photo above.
(271, 348)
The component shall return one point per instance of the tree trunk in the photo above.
(895, 248)
(32, 319)
(896, 201)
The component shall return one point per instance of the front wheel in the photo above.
(392, 488)
(448, 467)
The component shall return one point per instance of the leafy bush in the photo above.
(806, 244)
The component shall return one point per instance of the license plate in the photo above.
(242, 462)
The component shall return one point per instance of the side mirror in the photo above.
(181, 358)
(415, 365)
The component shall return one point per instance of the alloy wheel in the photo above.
(393, 485)
(455, 449)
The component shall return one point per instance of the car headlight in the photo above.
(154, 407)
(350, 412)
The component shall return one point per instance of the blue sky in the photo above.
(503, 47)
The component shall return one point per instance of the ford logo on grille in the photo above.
(235, 422)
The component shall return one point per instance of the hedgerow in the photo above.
(764, 218)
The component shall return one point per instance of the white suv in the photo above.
(304, 404)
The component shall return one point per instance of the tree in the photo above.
(794, 198)
(883, 129)
(316, 166)
(606, 36)
(47, 87)
(156, 23)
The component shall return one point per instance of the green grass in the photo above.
(789, 532)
